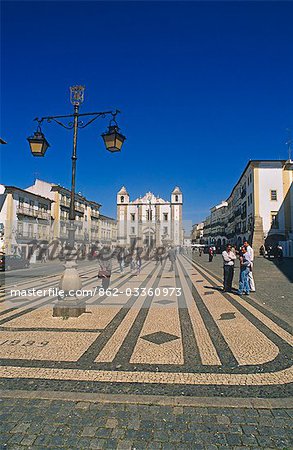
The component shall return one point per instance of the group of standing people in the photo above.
(246, 257)
(131, 258)
(124, 258)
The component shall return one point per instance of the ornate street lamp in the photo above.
(113, 139)
(38, 143)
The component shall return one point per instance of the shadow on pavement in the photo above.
(285, 266)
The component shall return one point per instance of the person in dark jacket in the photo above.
(211, 254)
(172, 257)
(121, 259)
(105, 266)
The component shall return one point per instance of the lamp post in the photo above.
(113, 140)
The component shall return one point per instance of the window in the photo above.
(20, 228)
(149, 214)
(166, 217)
(132, 230)
(274, 196)
(274, 219)
(122, 198)
(30, 230)
(132, 217)
(21, 201)
(176, 198)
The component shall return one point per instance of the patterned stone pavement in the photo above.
(160, 333)
(57, 424)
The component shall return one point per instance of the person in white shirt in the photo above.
(250, 252)
(229, 258)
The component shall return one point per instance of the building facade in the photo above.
(215, 227)
(149, 220)
(108, 230)
(86, 213)
(25, 218)
(259, 208)
(40, 213)
(197, 233)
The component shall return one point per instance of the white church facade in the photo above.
(149, 220)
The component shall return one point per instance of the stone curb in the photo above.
(198, 402)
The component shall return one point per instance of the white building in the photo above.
(197, 233)
(259, 208)
(91, 226)
(149, 220)
(25, 218)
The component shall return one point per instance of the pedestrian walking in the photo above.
(211, 254)
(138, 260)
(157, 257)
(120, 259)
(250, 251)
(229, 258)
(172, 257)
(105, 267)
(244, 271)
(132, 262)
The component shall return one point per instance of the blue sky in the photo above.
(203, 87)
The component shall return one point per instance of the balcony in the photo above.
(26, 211)
(95, 214)
(31, 212)
(26, 235)
(79, 208)
(65, 202)
(43, 214)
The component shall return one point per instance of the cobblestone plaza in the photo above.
(163, 348)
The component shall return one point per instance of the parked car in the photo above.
(9, 262)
